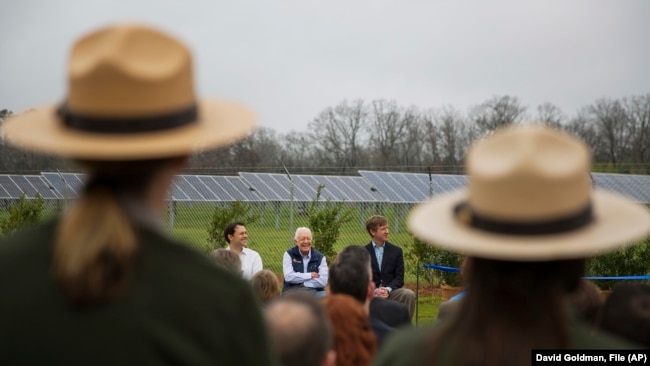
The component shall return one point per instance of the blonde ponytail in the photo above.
(95, 249)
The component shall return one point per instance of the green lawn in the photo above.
(427, 311)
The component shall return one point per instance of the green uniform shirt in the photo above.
(403, 348)
(181, 310)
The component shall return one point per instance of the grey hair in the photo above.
(302, 229)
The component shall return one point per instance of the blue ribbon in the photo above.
(639, 277)
(442, 268)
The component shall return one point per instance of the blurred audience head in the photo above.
(266, 286)
(227, 259)
(355, 340)
(300, 330)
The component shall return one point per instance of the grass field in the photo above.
(427, 311)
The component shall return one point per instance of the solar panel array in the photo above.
(212, 188)
(635, 187)
(412, 187)
(371, 186)
(14, 186)
(66, 184)
(277, 187)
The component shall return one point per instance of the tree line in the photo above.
(384, 135)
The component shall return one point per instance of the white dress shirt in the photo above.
(251, 262)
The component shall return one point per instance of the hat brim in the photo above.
(617, 222)
(220, 123)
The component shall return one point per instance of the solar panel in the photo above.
(206, 186)
(391, 185)
(377, 181)
(3, 192)
(416, 189)
(448, 182)
(372, 186)
(308, 185)
(223, 188)
(341, 190)
(268, 187)
(241, 190)
(42, 187)
(66, 185)
(10, 187)
(188, 189)
(177, 193)
(412, 187)
(24, 185)
(635, 187)
(361, 186)
(199, 185)
(276, 187)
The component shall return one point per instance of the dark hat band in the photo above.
(464, 213)
(127, 125)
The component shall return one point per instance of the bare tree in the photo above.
(455, 137)
(387, 128)
(581, 126)
(610, 119)
(338, 134)
(258, 151)
(637, 110)
(297, 151)
(497, 112)
(431, 139)
(550, 114)
(412, 151)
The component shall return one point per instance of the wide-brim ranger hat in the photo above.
(529, 198)
(130, 96)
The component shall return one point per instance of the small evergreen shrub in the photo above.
(24, 213)
(325, 221)
(629, 261)
(222, 216)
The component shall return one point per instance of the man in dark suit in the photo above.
(387, 261)
(390, 312)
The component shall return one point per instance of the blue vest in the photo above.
(298, 266)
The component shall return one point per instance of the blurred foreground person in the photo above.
(301, 330)
(105, 284)
(626, 313)
(527, 219)
(587, 301)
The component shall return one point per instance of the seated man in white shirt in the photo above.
(304, 267)
(237, 238)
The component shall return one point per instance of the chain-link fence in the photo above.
(271, 224)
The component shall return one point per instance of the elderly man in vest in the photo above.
(304, 267)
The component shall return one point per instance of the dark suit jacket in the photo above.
(391, 312)
(392, 266)
(381, 330)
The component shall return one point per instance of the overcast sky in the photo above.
(289, 60)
